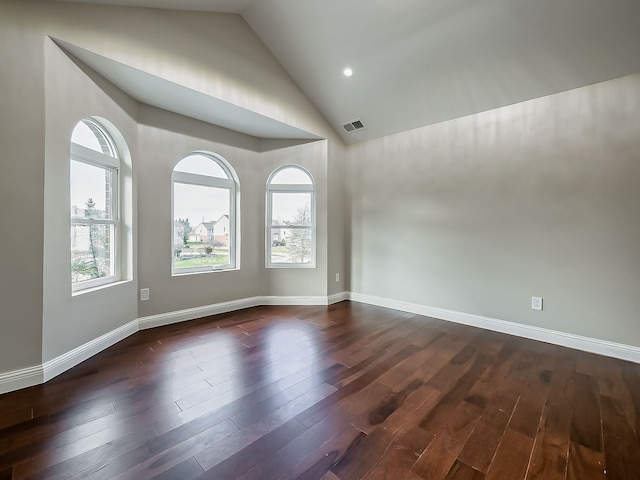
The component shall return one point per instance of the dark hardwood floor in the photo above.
(342, 392)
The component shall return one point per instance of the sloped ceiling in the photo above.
(419, 62)
(161, 93)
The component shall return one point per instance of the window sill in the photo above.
(201, 272)
(97, 288)
(290, 265)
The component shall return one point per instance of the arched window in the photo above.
(291, 219)
(204, 190)
(95, 206)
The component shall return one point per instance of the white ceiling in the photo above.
(418, 62)
(162, 93)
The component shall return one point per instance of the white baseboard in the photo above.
(275, 300)
(177, 316)
(38, 374)
(28, 377)
(338, 297)
(64, 362)
(169, 318)
(23, 378)
(593, 345)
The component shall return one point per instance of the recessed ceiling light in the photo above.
(347, 71)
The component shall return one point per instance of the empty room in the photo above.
(333, 240)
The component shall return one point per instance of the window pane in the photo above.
(91, 191)
(91, 252)
(89, 135)
(291, 208)
(201, 165)
(291, 175)
(201, 228)
(291, 245)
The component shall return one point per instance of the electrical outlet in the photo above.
(337, 277)
(144, 294)
(536, 303)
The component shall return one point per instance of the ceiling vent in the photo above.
(353, 126)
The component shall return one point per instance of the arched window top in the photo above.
(291, 218)
(291, 175)
(95, 204)
(205, 209)
(89, 134)
(200, 164)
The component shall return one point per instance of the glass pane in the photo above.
(91, 252)
(291, 245)
(291, 175)
(201, 228)
(291, 208)
(201, 165)
(89, 135)
(91, 191)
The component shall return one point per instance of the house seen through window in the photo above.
(291, 225)
(204, 209)
(94, 201)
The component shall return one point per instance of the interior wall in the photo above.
(41, 320)
(163, 142)
(214, 53)
(21, 190)
(338, 218)
(69, 321)
(303, 282)
(479, 214)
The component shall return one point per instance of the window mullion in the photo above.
(94, 221)
(195, 179)
(83, 154)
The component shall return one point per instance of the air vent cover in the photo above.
(353, 126)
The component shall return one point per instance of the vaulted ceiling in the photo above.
(419, 62)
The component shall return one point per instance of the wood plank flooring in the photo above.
(348, 391)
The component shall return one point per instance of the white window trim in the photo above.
(82, 154)
(230, 184)
(290, 188)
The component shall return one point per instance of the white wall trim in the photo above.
(28, 377)
(177, 316)
(338, 297)
(23, 378)
(38, 374)
(169, 318)
(275, 300)
(587, 344)
(64, 362)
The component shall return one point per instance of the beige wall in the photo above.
(163, 141)
(337, 246)
(72, 320)
(21, 190)
(538, 198)
(535, 199)
(299, 281)
(44, 94)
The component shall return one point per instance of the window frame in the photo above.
(80, 153)
(269, 226)
(231, 183)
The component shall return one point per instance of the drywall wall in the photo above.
(338, 216)
(162, 144)
(298, 281)
(41, 319)
(21, 190)
(479, 214)
(212, 53)
(69, 321)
